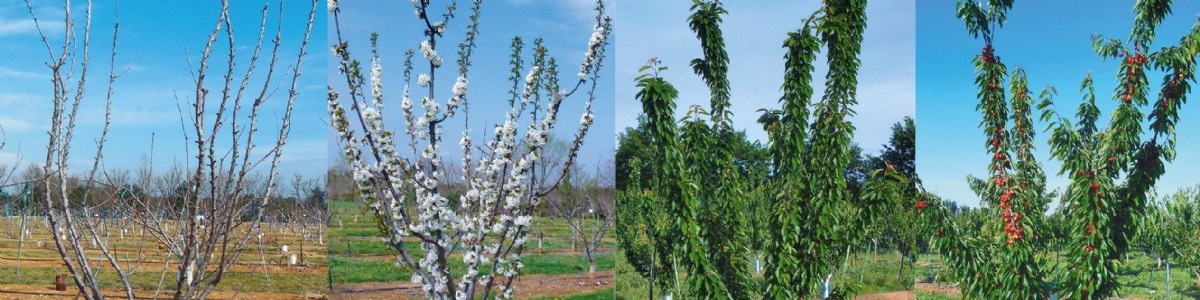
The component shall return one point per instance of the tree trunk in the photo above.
(875, 252)
(653, 263)
(591, 257)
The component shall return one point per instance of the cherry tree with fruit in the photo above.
(1111, 170)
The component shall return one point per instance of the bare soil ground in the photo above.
(25, 291)
(151, 254)
(244, 267)
(528, 286)
(528, 251)
(943, 289)
(933, 288)
(902, 295)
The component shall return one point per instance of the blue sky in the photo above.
(565, 27)
(1051, 40)
(157, 39)
(754, 34)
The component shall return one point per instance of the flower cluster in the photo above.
(599, 37)
(430, 54)
(377, 82)
(423, 80)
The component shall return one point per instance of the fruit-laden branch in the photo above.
(1101, 212)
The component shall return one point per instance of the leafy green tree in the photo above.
(798, 199)
(816, 220)
(1110, 169)
(1171, 229)
(631, 146)
(677, 188)
(751, 157)
(642, 230)
(901, 149)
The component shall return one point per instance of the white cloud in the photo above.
(16, 100)
(14, 73)
(8, 159)
(17, 27)
(14, 125)
(15, 19)
(299, 151)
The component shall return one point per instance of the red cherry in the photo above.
(1095, 186)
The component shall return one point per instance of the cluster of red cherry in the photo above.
(988, 56)
(1134, 64)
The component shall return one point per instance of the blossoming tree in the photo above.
(404, 183)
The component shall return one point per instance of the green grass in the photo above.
(357, 253)
(605, 294)
(356, 270)
(929, 296)
(1139, 277)
(881, 274)
(564, 264)
(628, 282)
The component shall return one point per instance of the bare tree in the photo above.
(216, 203)
(61, 216)
(587, 205)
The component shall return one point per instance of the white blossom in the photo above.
(430, 54)
(377, 82)
(439, 27)
(333, 5)
(423, 80)
(522, 221)
(587, 119)
(599, 34)
(460, 90)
